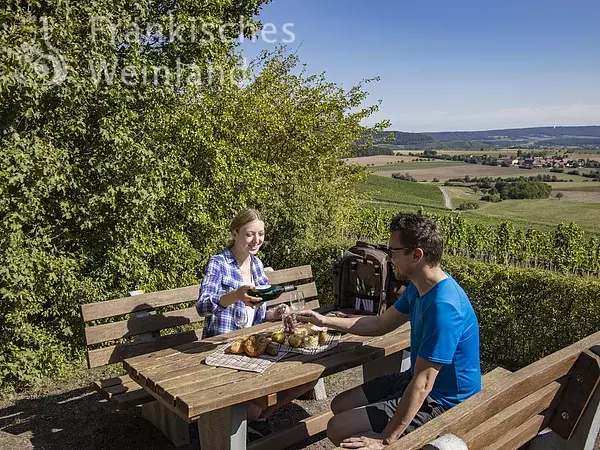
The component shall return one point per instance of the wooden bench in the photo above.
(318, 423)
(143, 321)
(559, 392)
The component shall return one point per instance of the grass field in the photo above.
(577, 186)
(547, 212)
(402, 192)
(543, 215)
(414, 165)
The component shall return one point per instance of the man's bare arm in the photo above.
(362, 326)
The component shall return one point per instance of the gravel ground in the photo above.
(75, 417)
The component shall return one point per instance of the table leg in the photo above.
(223, 429)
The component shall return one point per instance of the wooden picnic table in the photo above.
(217, 397)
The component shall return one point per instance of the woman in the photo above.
(225, 302)
(224, 299)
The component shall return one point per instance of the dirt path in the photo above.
(447, 198)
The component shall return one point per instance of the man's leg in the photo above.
(350, 399)
(347, 424)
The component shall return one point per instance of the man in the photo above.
(445, 366)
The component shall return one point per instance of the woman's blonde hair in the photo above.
(245, 216)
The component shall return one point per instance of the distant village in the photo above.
(556, 162)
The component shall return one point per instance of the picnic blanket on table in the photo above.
(223, 358)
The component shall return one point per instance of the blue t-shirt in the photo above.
(444, 330)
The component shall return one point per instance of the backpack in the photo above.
(364, 280)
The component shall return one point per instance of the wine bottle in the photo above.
(267, 293)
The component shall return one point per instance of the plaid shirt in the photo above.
(223, 275)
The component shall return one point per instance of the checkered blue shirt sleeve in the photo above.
(210, 290)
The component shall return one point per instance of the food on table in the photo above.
(255, 345)
(295, 341)
(271, 350)
(237, 347)
(311, 341)
(289, 323)
(279, 337)
(323, 337)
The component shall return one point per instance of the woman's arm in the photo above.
(209, 295)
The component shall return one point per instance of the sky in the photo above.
(451, 65)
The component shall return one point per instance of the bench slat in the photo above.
(119, 352)
(135, 326)
(131, 399)
(519, 436)
(156, 322)
(285, 276)
(153, 300)
(511, 417)
(143, 302)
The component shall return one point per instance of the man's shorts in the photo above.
(384, 394)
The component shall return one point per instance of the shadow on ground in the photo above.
(81, 419)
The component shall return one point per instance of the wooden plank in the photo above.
(142, 302)
(153, 300)
(309, 290)
(131, 399)
(119, 352)
(318, 423)
(132, 327)
(97, 357)
(143, 362)
(508, 419)
(175, 386)
(285, 276)
(193, 354)
(578, 391)
(494, 398)
(266, 401)
(272, 381)
(171, 391)
(518, 437)
(302, 430)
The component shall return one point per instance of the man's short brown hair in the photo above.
(417, 231)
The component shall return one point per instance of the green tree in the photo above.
(109, 184)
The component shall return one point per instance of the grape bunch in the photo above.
(289, 323)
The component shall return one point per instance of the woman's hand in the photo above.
(248, 300)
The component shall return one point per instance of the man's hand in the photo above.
(368, 441)
(308, 315)
(278, 312)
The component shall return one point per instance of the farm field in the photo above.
(548, 212)
(414, 165)
(577, 186)
(457, 170)
(402, 192)
(378, 160)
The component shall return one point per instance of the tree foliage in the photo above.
(107, 186)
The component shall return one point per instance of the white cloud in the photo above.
(573, 115)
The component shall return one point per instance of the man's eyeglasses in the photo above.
(391, 251)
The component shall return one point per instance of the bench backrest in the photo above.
(137, 317)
